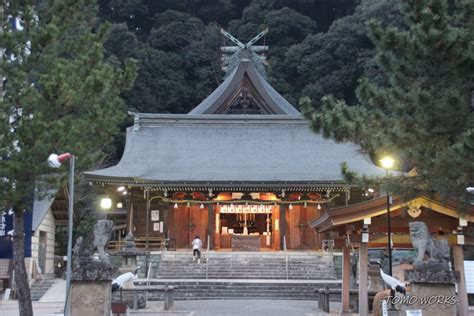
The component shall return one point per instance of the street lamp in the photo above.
(106, 203)
(387, 163)
(55, 161)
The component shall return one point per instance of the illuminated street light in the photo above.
(387, 162)
(106, 203)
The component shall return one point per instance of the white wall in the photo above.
(48, 225)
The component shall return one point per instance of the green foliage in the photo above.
(331, 63)
(174, 30)
(178, 51)
(423, 112)
(59, 96)
(177, 70)
(133, 12)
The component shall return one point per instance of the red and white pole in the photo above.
(55, 161)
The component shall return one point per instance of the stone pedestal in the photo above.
(433, 292)
(375, 282)
(91, 298)
(91, 290)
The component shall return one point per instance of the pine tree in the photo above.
(424, 113)
(59, 96)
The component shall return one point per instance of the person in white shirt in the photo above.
(197, 246)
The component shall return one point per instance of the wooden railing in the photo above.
(207, 255)
(154, 243)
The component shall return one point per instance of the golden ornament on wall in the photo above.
(414, 212)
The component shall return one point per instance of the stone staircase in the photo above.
(39, 287)
(249, 275)
(242, 289)
(247, 265)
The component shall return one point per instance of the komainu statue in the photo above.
(85, 247)
(102, 232)
(424, 243)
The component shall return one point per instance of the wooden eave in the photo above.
(303, 186)
(60, 207)
(357, 212)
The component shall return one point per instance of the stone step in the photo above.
(38, 288)
(229, 289)
(246, 265)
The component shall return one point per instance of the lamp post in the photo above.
(387, 164)
(106, 203)
(55, 161)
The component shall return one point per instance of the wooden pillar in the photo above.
(283, 226)
(190, 228)
(276, 239)
(346, 279)
(363, 280)
(217, 228)
(147, 220)
(458, 255)
(210, 225)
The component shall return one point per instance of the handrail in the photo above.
(148, 279)
(286, 255)
(207, 255)
(149, 271)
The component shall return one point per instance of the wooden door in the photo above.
(187, 222)
(293, 230)
(199, 218)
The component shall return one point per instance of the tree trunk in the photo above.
(21, 277)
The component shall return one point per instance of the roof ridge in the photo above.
(218, 102)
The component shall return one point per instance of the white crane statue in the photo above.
(394, 284)
(125, 278)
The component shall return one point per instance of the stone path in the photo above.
(56, 293)
(192, 308)
(199, 308)
(10, 308)
(240, 307)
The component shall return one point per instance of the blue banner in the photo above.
(6, 234)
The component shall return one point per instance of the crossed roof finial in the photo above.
(249, 43)
(233, 54)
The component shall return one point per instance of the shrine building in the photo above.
(242, 169)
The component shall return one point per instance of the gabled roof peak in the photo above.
(245, 91)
